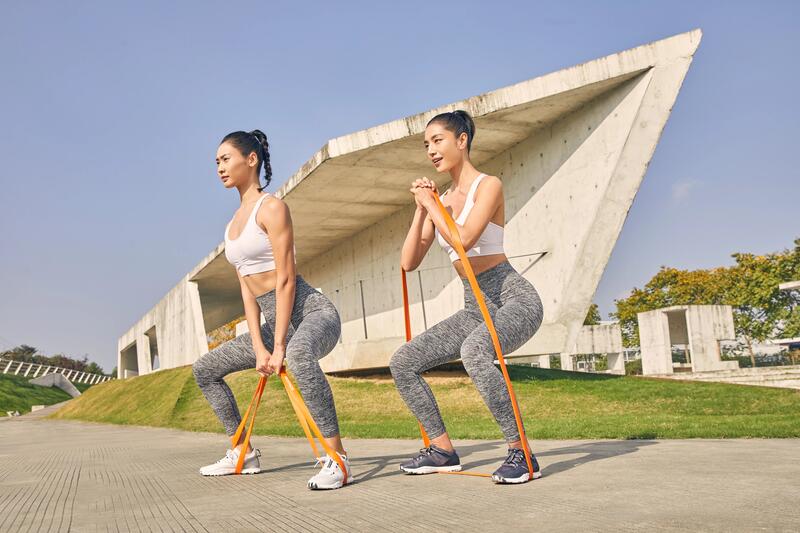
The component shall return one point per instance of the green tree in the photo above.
(94, 368)
(760, 309)
(593, 316)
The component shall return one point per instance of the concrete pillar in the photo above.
(8, 366)
(567, 362)
(544, 361)
(616, 363)
(707, 325)
(654, 342)
(36, 374)
(30, 367)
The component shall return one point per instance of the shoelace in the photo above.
(230, 455)
(327, 463)
(425, 451)
(515, 457)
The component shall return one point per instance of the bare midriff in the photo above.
(480, 263)
(261, 282)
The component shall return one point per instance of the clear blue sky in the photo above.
(112, 113)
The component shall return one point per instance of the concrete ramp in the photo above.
(57, 380)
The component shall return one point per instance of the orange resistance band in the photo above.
(310, 427)
(455, 237)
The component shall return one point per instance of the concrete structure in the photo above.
(601, 339)
(790, 286)
(784, 377)
(698, 327)
(57, 380)
(571, 148)
(102, 477)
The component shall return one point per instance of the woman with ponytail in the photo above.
(475, 201)
(301, 325)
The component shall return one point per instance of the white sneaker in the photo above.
(227, 465)
(331, 475)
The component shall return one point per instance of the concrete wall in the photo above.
(179, 330)
(571, 148)
(600, 339)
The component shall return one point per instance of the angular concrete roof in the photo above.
(357, 179)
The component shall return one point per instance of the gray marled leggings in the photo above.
(313, 332)
(516, 310)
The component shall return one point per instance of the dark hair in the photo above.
(458, 122)
(254, 141)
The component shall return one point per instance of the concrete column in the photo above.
(567, 362)
(30, 367)
(616, 363)
(655, 343)
(544, 361)
(708, 324)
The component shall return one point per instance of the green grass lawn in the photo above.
(18, 394)
(555, 405)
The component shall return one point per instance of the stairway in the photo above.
(768, 376)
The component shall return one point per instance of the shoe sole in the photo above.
(431, 469)
(516, 480)
(244, 472)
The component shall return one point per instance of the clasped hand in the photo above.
(423, 190)
(269, 363)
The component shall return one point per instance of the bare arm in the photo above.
(418, 240)
(486, 205)
(274, 216)
(252, 313)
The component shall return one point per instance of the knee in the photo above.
(476, 355)
(200, 372)
(300, 361)
(203, 370)
(402, 362)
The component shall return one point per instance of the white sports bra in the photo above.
(251, 252)
(491, 240)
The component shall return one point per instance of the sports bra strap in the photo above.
(257, 206)
(474, 187)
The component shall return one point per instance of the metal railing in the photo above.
(10, 366)
(362, 292)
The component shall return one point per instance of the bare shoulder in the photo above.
(272, 209)
(491, 185)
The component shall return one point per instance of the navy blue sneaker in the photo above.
(432, 460)
(515, 468)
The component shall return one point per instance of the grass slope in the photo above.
(18, 394)
(555, 404)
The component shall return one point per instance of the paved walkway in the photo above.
(69, 476)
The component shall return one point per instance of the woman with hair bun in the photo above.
(475, 201)
(259, 242)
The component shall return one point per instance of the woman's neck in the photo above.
(249, 193)
(463, 174)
